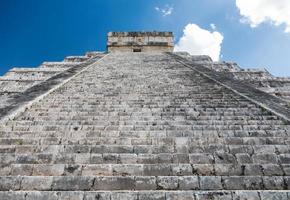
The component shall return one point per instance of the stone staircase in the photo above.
(258, 78)
(21, 85)
(144, 126)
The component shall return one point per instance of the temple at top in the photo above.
(140, 42)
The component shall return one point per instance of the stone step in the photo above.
(178, 147)
(146, 158)
(29, 75)
(186, 128)
(36, 69)
(76, 58)
(164, 169)
(116, 138)
(59, 64)
(147, 195)
(98, 110)
(117, 183)
(16, 85)
(112, 122)
(200, 111)
(93, 54)
(43, 116)
(145, 138)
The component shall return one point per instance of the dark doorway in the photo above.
(136, 50)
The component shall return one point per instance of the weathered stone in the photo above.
(152, 196)
(188, 183)
(69, 183)
(39, 183)
(210, 183)
(272, 170)
(273, 196)
(48, 170)
(36, 195)
(114, 183)
(253, 170)
(146, 183)
(273, 183)
(124, 196)
(13, 195)
(71, 195)
(246, 195)
(179, 195)
(9, 183)
(97, 195)
(22, 170)
(167, 183)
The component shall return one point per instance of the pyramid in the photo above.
(142, 122)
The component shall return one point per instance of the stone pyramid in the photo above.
(140, 122)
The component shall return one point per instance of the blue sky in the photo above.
(33, 31)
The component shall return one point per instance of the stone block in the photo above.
(188, 183)
(224, 158)
(97, 195)
(201, 159)
(114, 183)
(210, 183)
(97, 170)
(227, 170)
(167, 183)
(273, 182)
(253, 183)
(37, 195)
(253, 170)
(11, 183)
(41, 183)
(48, 170)
(152, 196)
(179, 195)
(233, 183)
(265, 158)
(157, 170)
(272, 170)
(72, 170)
(21, 170)
(181, 170)
(128, 170)
(246, 195)
(13, 195)
(213, 195)
(70, 183)
(243, 158)
(124, 195)
(71, 195)
(265, 195)
(146, 183)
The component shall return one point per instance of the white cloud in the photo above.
(198, 41)
(165, 11)
(255, 12)
(213, 26)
